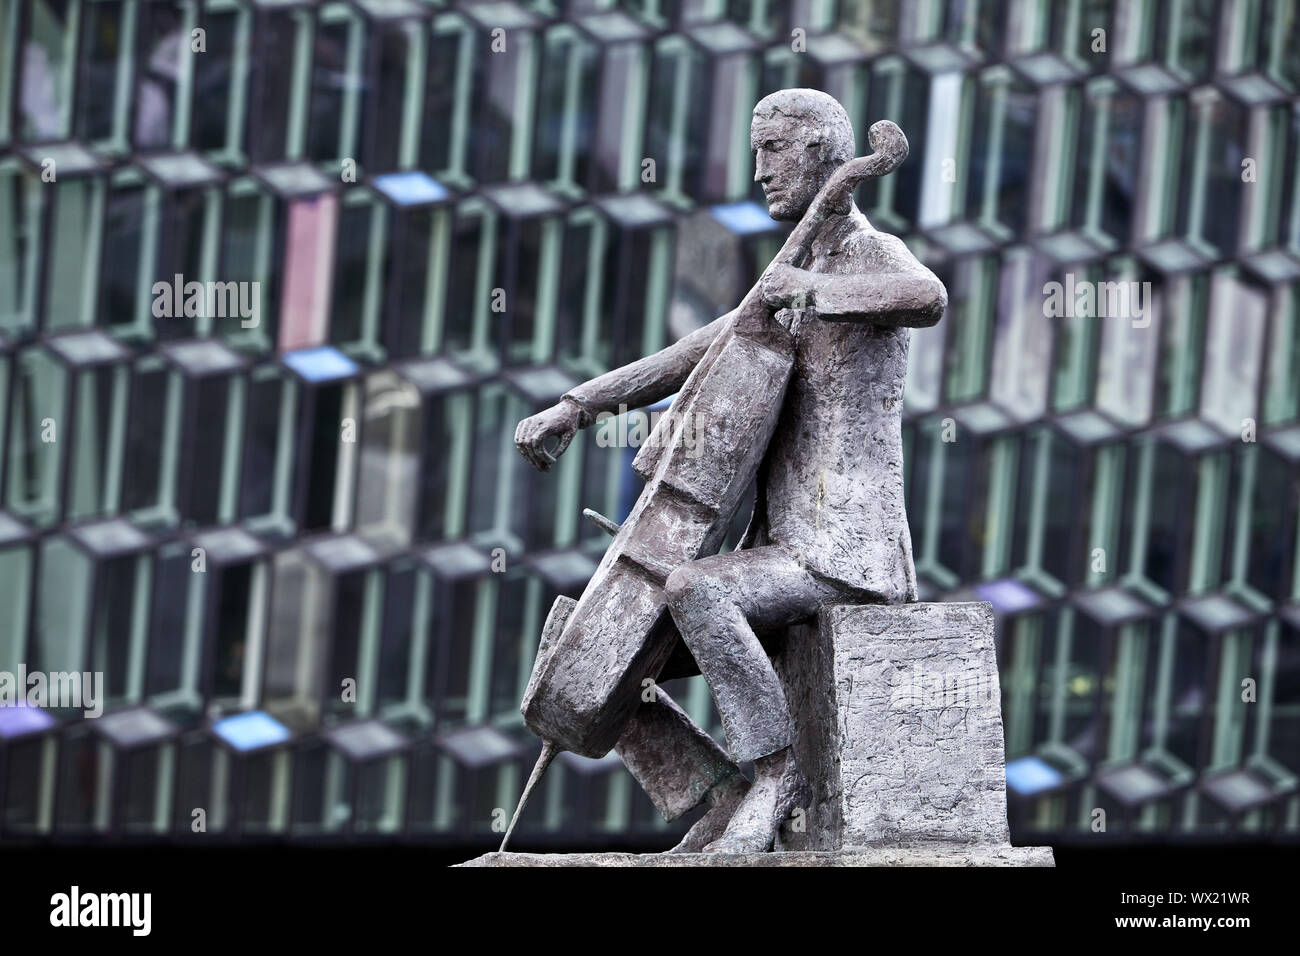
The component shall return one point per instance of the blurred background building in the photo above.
(297, 540)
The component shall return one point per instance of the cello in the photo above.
(595, 653)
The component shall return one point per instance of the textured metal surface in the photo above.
(900, 725)
(919, 723)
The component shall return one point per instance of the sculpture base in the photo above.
(899, 720)
(980, 854)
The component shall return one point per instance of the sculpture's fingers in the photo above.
(565, 438)
(542, 458)
(545, 458)
(527, 444)
(522, 440)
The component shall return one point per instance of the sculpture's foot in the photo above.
(778, 788)
(723, 800)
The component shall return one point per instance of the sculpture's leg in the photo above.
(716, 602)
(680, 766)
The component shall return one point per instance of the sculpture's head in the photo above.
(798, 138)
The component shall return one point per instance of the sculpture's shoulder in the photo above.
(874, 251)
(851, 245)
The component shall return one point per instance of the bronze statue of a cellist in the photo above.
(813, 364)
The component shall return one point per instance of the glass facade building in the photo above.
(279, 277)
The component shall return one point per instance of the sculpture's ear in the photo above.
(823, 149)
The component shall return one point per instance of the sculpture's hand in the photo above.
(786, 287)
(561, 421)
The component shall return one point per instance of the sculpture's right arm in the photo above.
(636, 385)
(646, 380)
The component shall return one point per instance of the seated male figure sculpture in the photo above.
(829, 524)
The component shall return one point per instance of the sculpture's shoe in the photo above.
(776, 792)
(723, 799)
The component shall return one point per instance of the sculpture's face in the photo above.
(788, 163)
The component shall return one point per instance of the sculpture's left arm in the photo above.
(893, 288)
(915, 300)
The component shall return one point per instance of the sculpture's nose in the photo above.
(761, 172)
